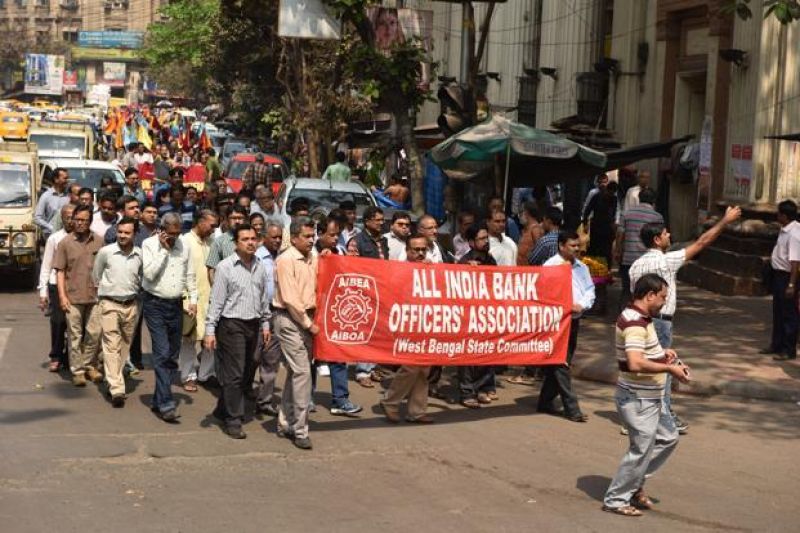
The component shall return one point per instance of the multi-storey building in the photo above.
(45, 21)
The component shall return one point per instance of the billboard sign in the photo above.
(44, 74)
(111, 39)
(307, 19)
(104, 54)
(393, 26)
(114, 74)
(70, 80)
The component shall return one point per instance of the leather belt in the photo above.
(121, 302)
(662, 316)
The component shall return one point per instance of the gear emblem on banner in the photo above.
(351, 309)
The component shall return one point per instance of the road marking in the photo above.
(5, 333)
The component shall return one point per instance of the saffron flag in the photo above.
(401, 313)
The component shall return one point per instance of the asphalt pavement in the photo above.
(73, 463)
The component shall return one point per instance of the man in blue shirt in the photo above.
(557, 381)
(547, 246)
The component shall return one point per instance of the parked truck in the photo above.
(19, 236)
(58, 140)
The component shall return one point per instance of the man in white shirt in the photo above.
(48, 294)
(557, 381)
(108, 215)
(784, 263)
(117, 274)
(657, 260)
(398, 234)
(501, 247)
(168, 273)
(632, 195)
(466, 220)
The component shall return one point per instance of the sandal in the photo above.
(493, 395)
(521, 380)
(472, 403)
(54, 366)
(641, 500)
(376, 376)
(625, 510)
(365, 382)
(190, 386)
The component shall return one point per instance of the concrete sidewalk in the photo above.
(717, 336)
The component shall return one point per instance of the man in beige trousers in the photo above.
(77, 296)
(410, 382)
(117, 274)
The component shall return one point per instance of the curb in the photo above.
(752, 390)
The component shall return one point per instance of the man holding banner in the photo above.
(410, 382)
(477, 383)
(295, 303)
(557, 381)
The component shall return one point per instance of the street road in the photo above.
(72, 463)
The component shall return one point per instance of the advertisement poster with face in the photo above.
(393, 27)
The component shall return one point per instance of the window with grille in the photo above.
(526, 106)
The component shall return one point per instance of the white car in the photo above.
(323, 195)
(85, 172)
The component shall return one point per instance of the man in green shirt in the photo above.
(213, 167)
(338, 171)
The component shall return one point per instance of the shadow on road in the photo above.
(34, 415)
(593, 486)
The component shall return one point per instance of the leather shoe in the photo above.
(784, 357)
(304, 443)
(170, 417)
(118, 400)
(235, 432)
(391, 416)
(577, 417)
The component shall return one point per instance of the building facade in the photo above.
(101, 39)
(650, 70)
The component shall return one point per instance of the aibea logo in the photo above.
(352, 309)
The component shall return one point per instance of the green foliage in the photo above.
(390, 76)
(785, 11)
(185, 36)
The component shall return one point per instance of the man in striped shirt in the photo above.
(629, 245)
(239, 309)
(643, 369)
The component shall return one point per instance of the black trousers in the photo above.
(475, 379)
(136, 342)
(557, 381)
(235, 365)
(785, 316)
(58, 328)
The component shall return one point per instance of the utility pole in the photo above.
(467, 33)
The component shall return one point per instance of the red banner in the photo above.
(393, 312)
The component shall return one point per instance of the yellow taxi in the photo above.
(14, 125)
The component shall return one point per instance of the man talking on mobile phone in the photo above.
(168, 277)
(643, 369)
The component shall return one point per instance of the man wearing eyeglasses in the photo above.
(429, 228)
(398, 234)
(371, 242)
(410, 382)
